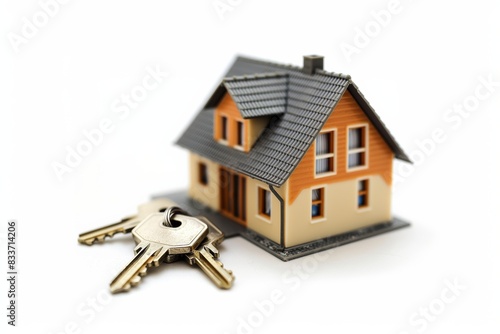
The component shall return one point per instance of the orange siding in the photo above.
(228, 108)
(346, 113)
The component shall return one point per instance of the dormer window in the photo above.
(232, 129)
(240, 134)
(223, 128)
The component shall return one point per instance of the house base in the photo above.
(232, 229)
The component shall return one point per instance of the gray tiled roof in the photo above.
(299, 105)
(258, 95)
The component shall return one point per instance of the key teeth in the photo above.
(214, 268)
(143, 272)
(230, 272)
(136, 280)
(140, 274)
(98, 239)
(132, 282)
(88, 242)
(108, 235)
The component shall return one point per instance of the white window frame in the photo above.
(364, 149)
(323, 202)
(327, 155)
(205, 167)
(262, 216)
(368, 191)
(228, 132)
(236, 145)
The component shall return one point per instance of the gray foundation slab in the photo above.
(232, 229)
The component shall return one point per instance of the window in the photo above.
(265, 202)
(317, 202)
(363, 193)
(325, 153)
(240, 133)
(357, 147)
(231, 130)
(223, 128)
(202, 174)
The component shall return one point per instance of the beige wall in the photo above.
(341, 211)
(255, 127)
(209, 195)
(269, 228)
(206, 194)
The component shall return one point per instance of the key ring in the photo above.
(170, 213)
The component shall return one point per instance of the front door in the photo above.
(233, 195)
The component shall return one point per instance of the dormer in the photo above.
(231, 129)
(244, 106)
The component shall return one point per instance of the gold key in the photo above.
(127, 224)
(206, 255)
(150, 250)
(157, 237)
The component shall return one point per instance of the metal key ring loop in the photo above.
(170, 213)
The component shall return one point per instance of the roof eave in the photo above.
(377, 122)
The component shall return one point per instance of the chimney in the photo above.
(312, 63)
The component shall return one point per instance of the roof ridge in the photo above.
(263, 75)
(292, 67)
(334, 74)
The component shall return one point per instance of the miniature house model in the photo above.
(295, 154)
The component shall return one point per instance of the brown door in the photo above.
(233, 195)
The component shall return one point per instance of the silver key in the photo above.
(206, 254)
(127, 224)
(155, 240)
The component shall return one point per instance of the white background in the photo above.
(64, 79)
